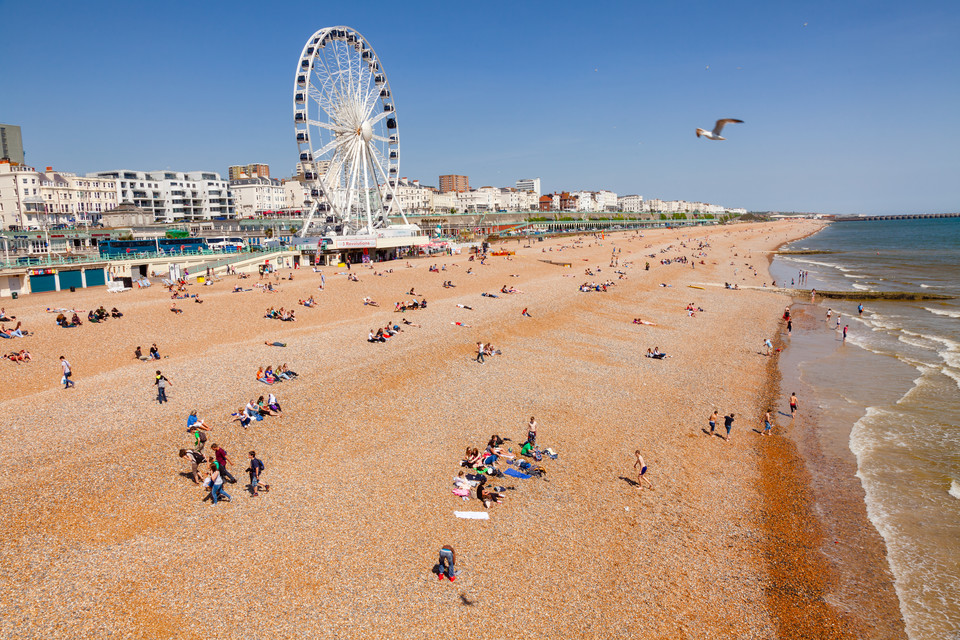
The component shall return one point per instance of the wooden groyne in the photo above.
(559, 264)
(868, 295)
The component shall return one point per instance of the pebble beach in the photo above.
(106, 535)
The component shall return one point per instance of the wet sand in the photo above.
(105, 536)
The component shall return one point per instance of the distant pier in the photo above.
(914, 216)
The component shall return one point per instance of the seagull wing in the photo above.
(717, 128)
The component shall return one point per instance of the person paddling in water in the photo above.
(641, 467)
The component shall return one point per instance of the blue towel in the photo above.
(513, 473)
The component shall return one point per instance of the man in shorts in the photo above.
(256, 468)
(713, 421)
(793, 405)
(728, 424)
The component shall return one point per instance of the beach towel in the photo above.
(513, 473)
(472, 515)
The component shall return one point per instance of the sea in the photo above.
(892, 391)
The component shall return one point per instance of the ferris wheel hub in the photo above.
(365, 131)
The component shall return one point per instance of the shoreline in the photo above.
(853, 587)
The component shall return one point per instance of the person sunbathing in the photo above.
(407, 322)
(5, 318)
(269, 376)
(639, 321)
(175, 309)
(287, 372)
(371, 302)
(115, 313)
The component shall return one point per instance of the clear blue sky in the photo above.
(858, 111)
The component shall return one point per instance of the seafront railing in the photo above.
(60, 260)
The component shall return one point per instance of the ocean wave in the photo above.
(924, 286)
(854, 275)
(954, 488)
(829, 265)
(941, 312)
(860, 287)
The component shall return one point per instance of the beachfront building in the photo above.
(630, 203)
(456, 183)
(256, 170)
(11, 144)
(74, 200)
(256, 196)
(173, 196)
(31, 199)
(531, 185)
(18, 183)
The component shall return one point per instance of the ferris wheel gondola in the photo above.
(345, 122)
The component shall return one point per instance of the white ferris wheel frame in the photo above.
(351, 111)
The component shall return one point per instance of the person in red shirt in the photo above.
(222, 460)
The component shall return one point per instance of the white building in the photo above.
(29, 198)
(254, 196)
(531, 185)
(606, 200)
(630, 203)
(172, 195)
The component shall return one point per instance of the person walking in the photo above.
(793, 405)
(480, 352)
(524, 313)
(728, 425)
(641, 468)
(767, 424)
(768, 345)
(215, 481)
(162, 383)
(222, 460)
(448, 558)
(712, 421)
(845, 328)
(255, 469)
(790, 327)
(67, 373)
(860, 309)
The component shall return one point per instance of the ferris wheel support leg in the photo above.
(366, 190)
(306, 223)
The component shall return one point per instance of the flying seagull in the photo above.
(717, 128)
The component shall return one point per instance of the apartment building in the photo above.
(256, 170)
(173, 195)
(456, 183)
(254, 196)
(11, 143)
(529, 184)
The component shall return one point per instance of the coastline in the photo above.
(850, 588)
(342, 525)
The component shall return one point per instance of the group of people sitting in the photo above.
(692, 310)
(256, 411)
(154, 353)
(656, 353)
(506, 289)
(280, 314)
(18, 356)
(272, 376)
(410, 305)
(594, 286)
(434, 269)
(62, 321)
(16, 332)
(727, 285)
(385, 333)
(309, 302)
(101, 315)
(483, 465)
(447, 284)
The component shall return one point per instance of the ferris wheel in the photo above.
(346, 128)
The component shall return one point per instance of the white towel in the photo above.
(472, 515)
